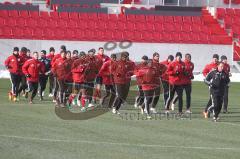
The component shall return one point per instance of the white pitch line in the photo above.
(120, 144)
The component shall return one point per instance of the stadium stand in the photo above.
(85, 26)
(18, 6)
(231, 21)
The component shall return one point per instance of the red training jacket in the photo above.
(226, 68)
(209, 67)
(33, 67)
(188, 76)
(78, 70)
(92, 69)
(13, 63)
(106, 72)
(174, 68)
(59, 68)
(164, 76)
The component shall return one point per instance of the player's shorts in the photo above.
(99, 80)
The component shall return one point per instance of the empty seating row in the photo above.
(96, 35)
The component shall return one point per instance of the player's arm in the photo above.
(25, 69)
(209, 77)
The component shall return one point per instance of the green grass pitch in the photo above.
(36, 132)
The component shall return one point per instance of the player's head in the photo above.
(91, 52)
(215, 58)
(188, 57)
(170, 58)
(114, 57)
(101, 50)
(144, 59)
(220, 66)
(74, 53)
(24, 50)
(16, 51)
(63, 47)
(52, 50)
(28, 53)
(178, 56)
(63, 53)
(82, 55)
(156, 56)
(43, 53)
(124, 56)
(35, 55)
(68, 55)
(224, 59)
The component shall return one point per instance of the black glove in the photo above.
(177, 73)
(87, 72)
(8, 67)
(192, 77)
(28, 75)
(185, 73)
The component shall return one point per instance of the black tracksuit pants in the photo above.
(188, 91)
(156, 94)
(23, 84)
(62, 90)
(140, 98)
(89, 91)
(43, 83)
(110, 91)
(32, 87)
(51, 83)
(15, 80)
(121, 94)
(225, 98)
(165, 91)
(179, 90)
(148, 99)
(217, 104)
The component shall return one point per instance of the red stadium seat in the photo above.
(168, 27)
(73, 15)
(121, 25)
(37, 33)
(43, 22)
(7, 32)
(21, 22)
(72, 24)
(147, 36)
(187, 19)
(112, 17)
(178, 19)
(130, 26)
(118, 36)
(186, 28)
(111, 25)
(150, 18)
(64, 15)
(54, 15)
(166, 37)
(27, 33)
(140, 18)
(140, 26)
(24, 14)
(128, 35)
(175, 37)
(122, 18)
(203, 38)
(60, 34)
(184, 38)
(34, 14)
(103, 17)
(10, 22)
(82, 25)
(159, 19)
(83, 16)
(157, 37)
(70, 34)
(137, 36)
(168, 19)
(197, 20)
(17, 33)
(44, 15)
(131, 17)
(91, 25)
(149, 27)
(31, 22)
(53, 23)
(158, 27)
(195, 28)
(13, 13)
(61, 23)
(4, 13)
(93, 16)
(99, 35)
(48, 34)
(2, 21)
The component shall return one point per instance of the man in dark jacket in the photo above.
(43, 78)
(217, 81)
